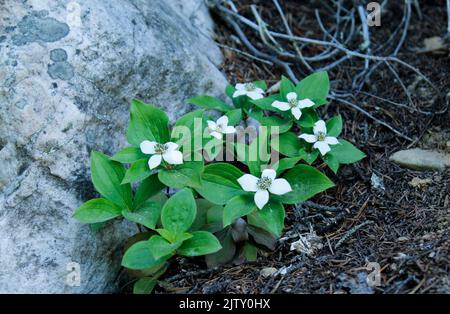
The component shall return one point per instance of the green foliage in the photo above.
(208, 213)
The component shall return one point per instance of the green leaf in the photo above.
(160, 247)
(346, 152)
(262, 237)
(138, 171)
(270, 218)
(250, 252)
(286, 86)
(179, 212)
(332, 162)
(289, 144)
(209, 102)
(315, 87)
(283, 125)
(129, 155)
(234, 116)
(286, 163)
(308, 119)
(147, 123)
(229, 90)
(219, 183)
(309, 157)
(188, 132)
(144, 285)
(334, 126)
(139, 256)
(306, 182)
(147, 214)
(266, 102)
(147, 188)
(201, 243)
(237, 207)
(187, 174)
(97, 210)
(260, 84)
(107, 176)
(226, 254)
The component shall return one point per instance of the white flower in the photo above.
(262, 186)
(320, 139)
(294, 104)
(220, 127)
(168, 151)
(248, 89)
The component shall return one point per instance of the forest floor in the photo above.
(403, 225)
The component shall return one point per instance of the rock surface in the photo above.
(420, 159)
(68, 70)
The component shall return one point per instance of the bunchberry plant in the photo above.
(185, 204)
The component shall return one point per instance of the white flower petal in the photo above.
(171, 146)
(291, 96)
(211, 124)
(305, 103)
(296, 112)
(331, 140)
(320, 127)
(229, 129)
(148, 147)
(322, 147)
(239, 92)
(222, 121)
(154, 161)
(258, 90)
(240, 86)
(254, 95)
(248, 183)
(283, 106)
(280, 187)
(310, 138)
(261, 198)
(174, 157)
(217, 135)
(270, 173)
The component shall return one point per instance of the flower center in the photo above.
(160, 148)
(250, 86)
(264, 183)
(321, 136)
(293, 102)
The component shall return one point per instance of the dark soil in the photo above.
(406, 229)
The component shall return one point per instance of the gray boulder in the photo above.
(68, 70)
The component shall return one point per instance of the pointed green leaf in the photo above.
(270, 218)
(209, 102)
(147, 214)
(97, 210)
(179, 212)
(129, 155)
(107, 176)
(306, 182)
(346, 152)
(147, 188)
(144, 285)
(160, 247)
(139, 256)
(138, 171)
(201, 243)
(334, 126)
(147, 123)
(219, 183)
(315, 87)
(187, 174)
(237, 207)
